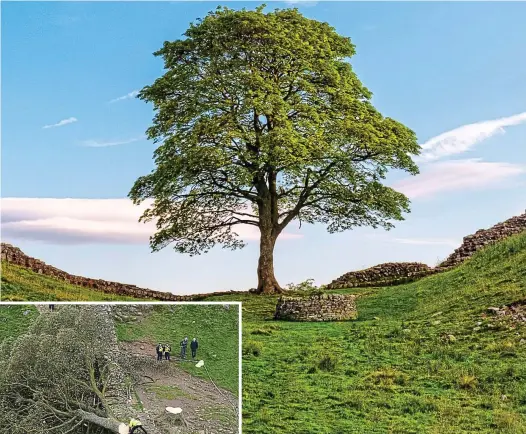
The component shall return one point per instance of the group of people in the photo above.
(164, 350)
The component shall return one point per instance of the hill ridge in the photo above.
(14, 255)
(394, 273)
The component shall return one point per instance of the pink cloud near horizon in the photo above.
(457, 175)
(83, 221)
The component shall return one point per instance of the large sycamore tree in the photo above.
(261, 121)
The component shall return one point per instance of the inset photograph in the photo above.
(120, 368)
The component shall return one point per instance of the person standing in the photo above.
(167, 350)
(184, 344)
(193, 346)
(159, 349)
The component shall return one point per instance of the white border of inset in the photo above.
(235, 303)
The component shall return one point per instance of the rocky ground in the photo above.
(515, 311)
(207, 409)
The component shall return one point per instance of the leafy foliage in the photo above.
(261, 121)
(306, 285)
(60, 374)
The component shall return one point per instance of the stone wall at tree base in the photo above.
(394, 273)
(323, 307)
(13, 255)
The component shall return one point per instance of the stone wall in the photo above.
(390, 273)
(402, 272)
(324, 307)
(14, 255)
(483, 237)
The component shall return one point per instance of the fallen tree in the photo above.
(65, 375)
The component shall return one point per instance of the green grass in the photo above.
(415, 361)
(168, 392)
(216, 328)
(21, 284)
(396, 369)
(15, 320)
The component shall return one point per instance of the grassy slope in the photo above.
(21, 284)
(216, 328)
(13, 322)
(393, 370)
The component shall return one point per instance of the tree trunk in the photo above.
(105, 422)
(267, 283)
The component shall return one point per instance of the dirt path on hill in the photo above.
(207, 409)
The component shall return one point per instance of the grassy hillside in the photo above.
(21, 284)
(420, 358)
(215, 327)
(146, 387)
(15, 320)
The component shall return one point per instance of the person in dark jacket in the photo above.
(193, 346)
(159, 350)
(184, 344)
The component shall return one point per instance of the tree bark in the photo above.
(269, 229)
(105, 422)
(267, 283)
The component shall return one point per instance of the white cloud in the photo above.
(457, 175)
(82, 221)
(103, 144)
(462, 139)
(130, 95)
(61, 123)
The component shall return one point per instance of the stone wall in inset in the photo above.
(317, 308)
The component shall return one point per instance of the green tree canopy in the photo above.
(261, 121)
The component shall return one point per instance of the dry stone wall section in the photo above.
(395, 273)
(484, 237)
(317, 308)
(390, 273)
(13, 255)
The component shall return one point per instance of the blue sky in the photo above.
(453, 72)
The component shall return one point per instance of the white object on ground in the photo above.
(174, 410)
(123, 429)
(200, 364)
